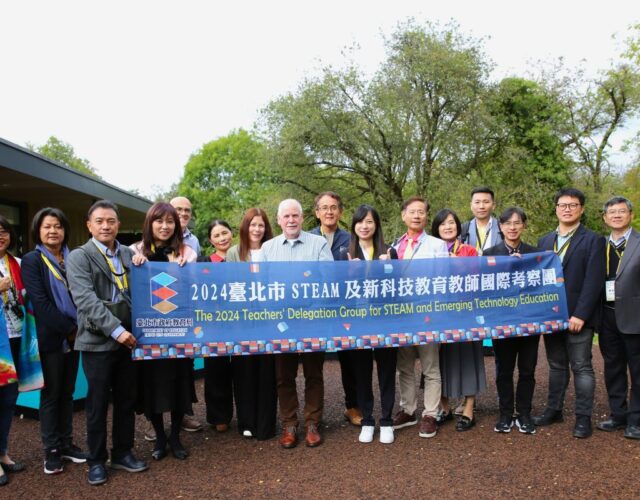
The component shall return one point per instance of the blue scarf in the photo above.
(61, 295)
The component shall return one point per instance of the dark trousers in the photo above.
(386, 364)
(621, 352)
(348, 373)
(8, 398)
(254, 388)
(218, 390)
(524, 351)
(573, 350)
(59, 370)
(109, 373)
(286, 373)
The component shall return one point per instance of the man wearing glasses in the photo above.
(620, 329)
(328, 207)
(583, 262)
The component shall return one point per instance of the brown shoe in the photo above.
(222, 427)
(403, 419)
(313, 437)
(288, 438)
(190, 424)
(354, 416)
(428, 427)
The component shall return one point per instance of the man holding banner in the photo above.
(297, 245)
(583, 261)
(417, 244)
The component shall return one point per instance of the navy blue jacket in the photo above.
(341, 240)
(584, 272)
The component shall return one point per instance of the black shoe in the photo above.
(465, 423)
(548, 417)
(97, 475)
(177, 450)
(4, 479)
(14, 467)
(75, 454)
(129, 463)
(504, 424)
(53, 462)
(159, 452)
(632, 432)
(525, 425)
(611, 424)
(582, 428)
(443, 417)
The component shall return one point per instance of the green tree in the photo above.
(225, 177)
(383, 138)
(63, 152)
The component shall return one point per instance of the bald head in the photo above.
(183, 207)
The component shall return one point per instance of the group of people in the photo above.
(81, 303)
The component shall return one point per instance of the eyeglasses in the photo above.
(570, 206)
(4, 234)
(621, 211)
(512, 223)
(416, 212)
(332, 208)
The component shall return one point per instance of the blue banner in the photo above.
(208, 309)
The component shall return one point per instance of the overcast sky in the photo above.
(138, 86)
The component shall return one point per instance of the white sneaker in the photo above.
(366, 434)
(386, 435)
(247, 433)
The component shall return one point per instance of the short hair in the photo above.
(288, 201)
(440, 217)
(103, 204)
(483, 189)
(413, 199)
(218, 222)
(615, 201)
(572, 193)
(330, 194)
(510, 212)
(8, 227)
(158, 211)
(244, 245)
(361, 212)
(49, 212)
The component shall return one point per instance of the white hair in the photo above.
(289, 201)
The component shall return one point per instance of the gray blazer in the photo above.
(628, 287)
(91, 287)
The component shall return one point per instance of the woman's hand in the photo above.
(5, 284)
(386, 256)
(181, 260)
(138, 259)
(351, 258)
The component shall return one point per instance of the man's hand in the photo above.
(127, 339)
(575, 324)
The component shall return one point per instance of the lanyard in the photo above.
(454, 248)
(618, 253)
(121, 284)
(565, 246)
(12, 287)
(480, 244)
(54, 271)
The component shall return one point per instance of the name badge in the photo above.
(610, 290)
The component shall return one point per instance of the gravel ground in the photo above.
(477, 464)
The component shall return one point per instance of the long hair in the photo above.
(440, 218)
(379, 246)
(245, 244)
(158, 211)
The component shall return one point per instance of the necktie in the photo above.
(408, 252)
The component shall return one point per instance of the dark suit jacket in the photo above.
(627, 287)
(584, 272)
(91, 285)
(340, 245)
(52, 325)
(500, 249)
(393, 253)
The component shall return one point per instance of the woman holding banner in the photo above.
(218, 379)
(165, 385)
(45, 279)
(13, 292)
(513, 222)
(367, 243)
(461, 363)
(254, 377)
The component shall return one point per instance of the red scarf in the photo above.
(16, 276)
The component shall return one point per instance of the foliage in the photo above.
(63, 152)
(224, 178)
